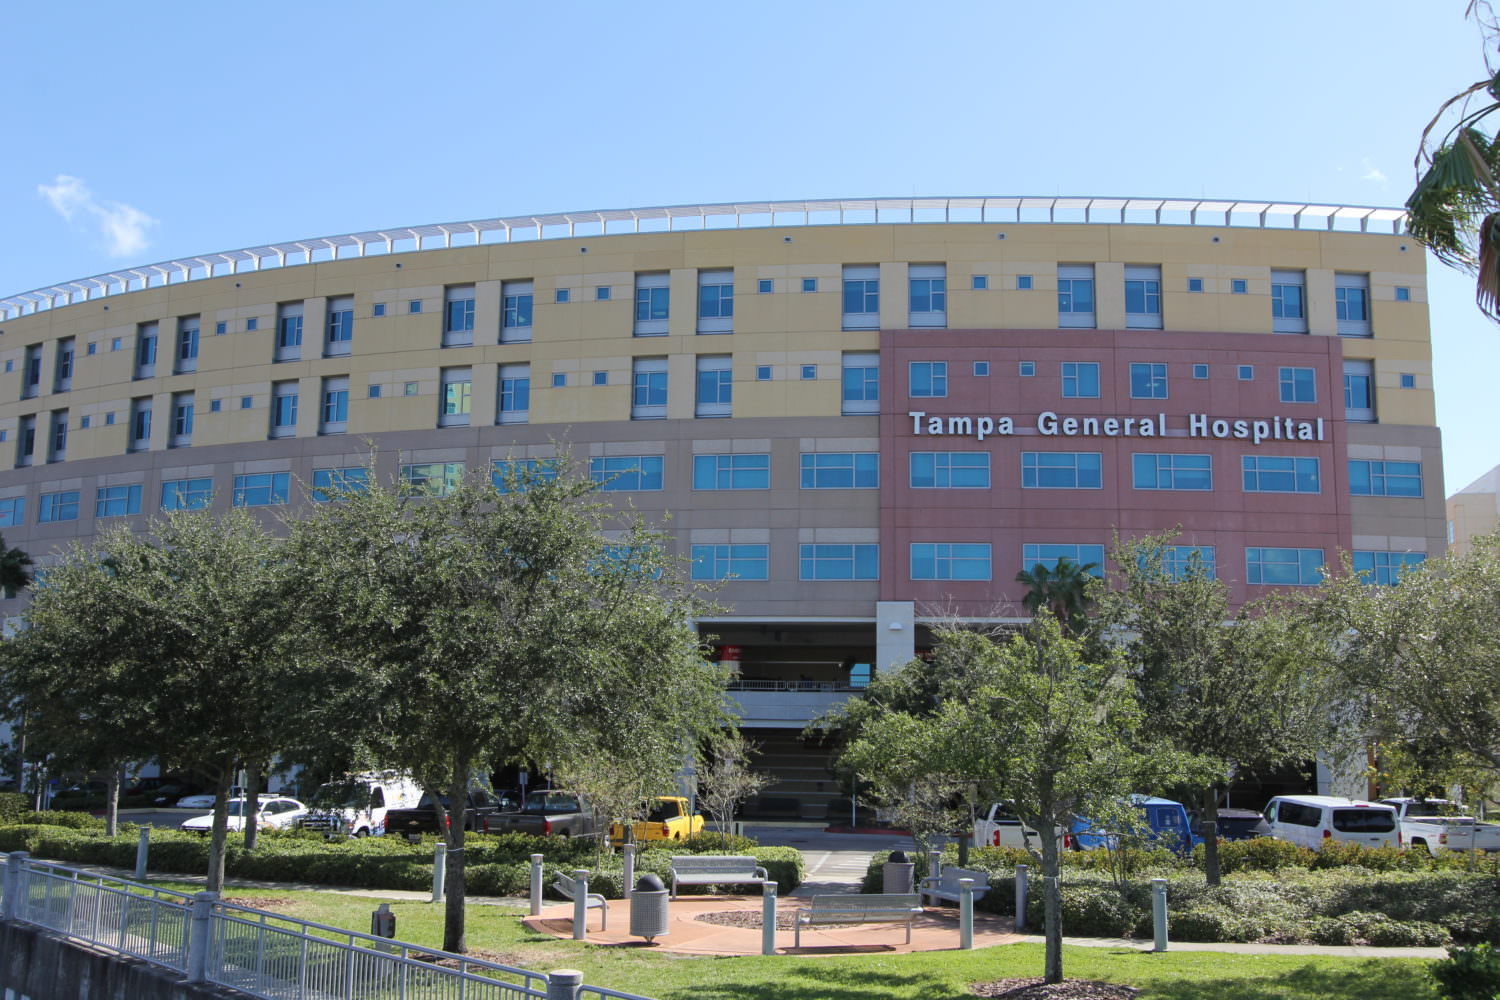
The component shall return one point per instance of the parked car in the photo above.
(1167, 822)
(480, 809)
(1439, 825)
(205, 800)
(1000, 827)
(358, 805)
(668, 819)
(1313, 820)
(549, 813)
(1241, 824)
(275, 813)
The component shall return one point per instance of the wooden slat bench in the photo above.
(568, 886)
(716, 869)
(859, 908)
(946, 886)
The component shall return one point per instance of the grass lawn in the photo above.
(496, 934)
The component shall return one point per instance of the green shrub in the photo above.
(71, 820)
(1212, 923)
(13, 805)
(1469, 973)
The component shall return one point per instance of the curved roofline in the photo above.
(722, 215)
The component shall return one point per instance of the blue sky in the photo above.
(162, 131)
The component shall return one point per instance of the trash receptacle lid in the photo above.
(649, 883)
(898, 857)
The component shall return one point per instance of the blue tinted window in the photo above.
(1171, 471)
(1385, 568)
(839, 562)
(1148, 381)
(1280, 474)
(12, 512)
(1385, 479)
(186, 494)
(765, 286)
(622, 474)
(116, 501)
(731, 562)
(950, 561)
(261, 490)
(58, 507)
(731, 472)
(950, 470)
(1080, 380)
(929, 378)
(1298, 385)
(841, 470)
(327, 482)
(1284, 567)
(521, 472)
(1049, 555)
(1060, 470)
(431, 478)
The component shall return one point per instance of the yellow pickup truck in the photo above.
(668, 820)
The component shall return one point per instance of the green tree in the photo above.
(15, 570)
(526, 622)
(1064, 591)
(726, 780)
(1242, 685)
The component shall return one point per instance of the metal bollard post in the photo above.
(564, 984)
(768, 919)
(1023, 874)
(14, 866)
(200, 934)
(966, 913)
(536, 884)
(934, 864)
(439, 870)
(629, 878)
(1159, 912)
(580, 904)
(142, 849)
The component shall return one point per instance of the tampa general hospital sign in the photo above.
(1049, 424)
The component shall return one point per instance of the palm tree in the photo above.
(14, 573)
(1062, 590)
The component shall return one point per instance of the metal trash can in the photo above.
(898, 874)
(648, 908)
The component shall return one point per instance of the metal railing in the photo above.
(255, 952)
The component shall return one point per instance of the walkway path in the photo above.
(836, 862)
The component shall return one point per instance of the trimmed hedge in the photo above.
(13, 805)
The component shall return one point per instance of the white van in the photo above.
(1312, 820)
(355, 805)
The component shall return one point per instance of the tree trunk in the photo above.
(1210, 834)
(458, 799)
(1052, 898)
(112, 801)
(220, 837)
(252, 804)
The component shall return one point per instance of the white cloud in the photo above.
(1372, 173)
(122, 226)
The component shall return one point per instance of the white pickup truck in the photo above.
(1002, 828)
(1438, 825)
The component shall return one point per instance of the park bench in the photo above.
(716, 869)
(858, 908)
(568, 886)
(945, 886)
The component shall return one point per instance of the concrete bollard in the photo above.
(1023, 875)
(580, 904)
(768, 919)
(142, 850)
(536, 884)
(564, 984)
(934, 864)
(200, 936)
(629, 884)
(966, 913)
(1159, 912)
(14, 869)
(439, 870)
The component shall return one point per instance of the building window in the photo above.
(1298, 385)
(715, 387)
(731, 472)
(182, 420)
(521, 473)
(1060, 470)
(33, 369)
(458, 315)
(515, 319)
(514, 405)
(845, 470)
(378, 309)
(187, 345)
(58, 507)
(335, 416)
(1239, 286)
(929, 379)
(414, 306)
(284, 405)
(1080, 379)
(261, 489)
(809, 284)
(765, 286)
(1075, 295)
(339, 337)
(1359, 391)
(762, 373)
(57, 449)
(1408, 380)
(950, 470)
(220, 328)
(1284, 567)
(12, 512)
(252, 324)
(431, 479)
(186, 494)
(288, 331)
(950, 561)
(627, 473)
(457, 394)
(62, 371)
(1023, 283)
(115, 343)
(560, 295)
(981, 369)
(928, 284)
(140, 424)
(1351, 303)
(861, 297)
(329, 482)
(1142, 297)
(603, 293)
(1385, 568)
(979, 282)
(652, 298)
(1289, 301)
(809, 373)
(861, 383)
(559, 380)
(1026, 369)
(731, 562)
(117, 501)
(1049, 555)
(1247, 373)
(839, 562)
(1171, 471)
(1385, 479)
(1280, 474)
(648, 393)
(26, 441)
(715, 301)
(1195, 284)
(145, 355)
(374, 394)
(1148, 381)
(601, 378)
(1403, 294)
(1200, 371)
(1181, 561)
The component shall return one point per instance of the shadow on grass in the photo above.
(830, 981)
(1376, 979)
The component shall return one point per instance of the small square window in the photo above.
(979, 282)
(215, 405)
(4, 435)
(246, 401)
(374, 392)
(809, 284)
(93, 348)
(981, 368)
(559, 379)
(411, 388)
(1239, 286)
(414, 306)
(251, 323)
(115, 344)
(1200, 371)
(378, 309)
(221, 328)
(809, 372)
(1023, 282)
(763, 373)
(560, 295)
(1247, 373)
(1403, 294)
(766, 286)
(601, 293)
(601, 378)
(1026, 369)
(109, 419)
(84, 422)
(1408, 380)
(1195, 284)
(10, 366)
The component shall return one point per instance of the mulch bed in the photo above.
(260, 902)
(1068, 989)
(785, 919)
